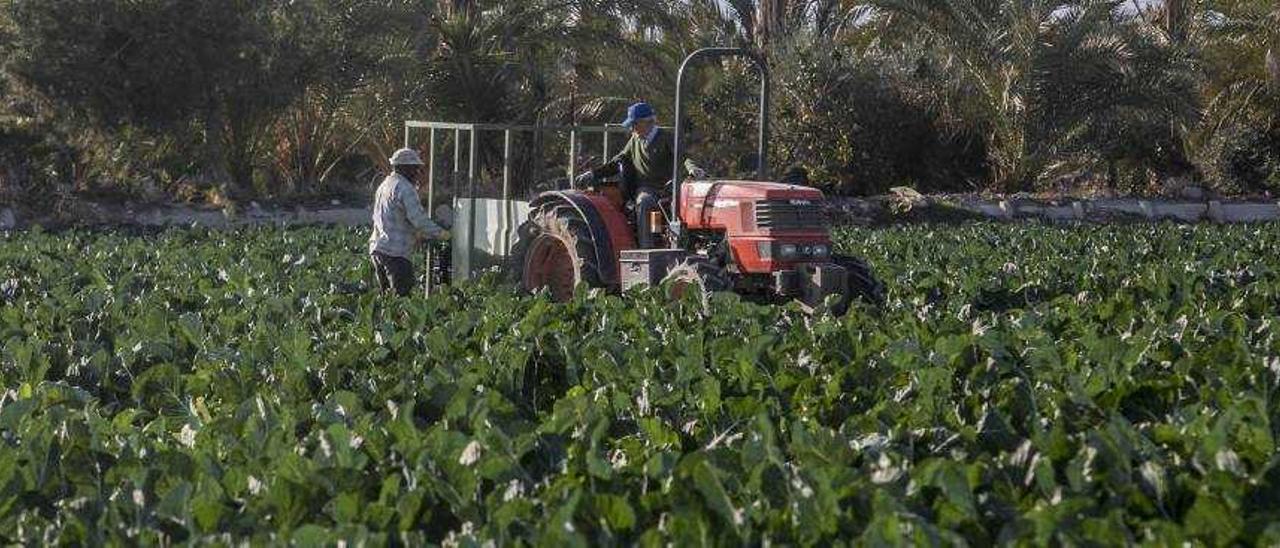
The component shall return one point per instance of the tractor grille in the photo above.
(790, 215)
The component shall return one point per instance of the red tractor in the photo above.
(767, 241)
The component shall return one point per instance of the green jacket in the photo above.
(643, 164)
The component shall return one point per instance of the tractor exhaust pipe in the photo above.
(762, 170)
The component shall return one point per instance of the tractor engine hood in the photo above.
(732, 204)
(745, 190)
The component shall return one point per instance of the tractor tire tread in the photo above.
(707, 277)
(861, 280)
(563, 222)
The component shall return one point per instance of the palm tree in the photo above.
(1240, 40)
(766, 23)
(1041, 76)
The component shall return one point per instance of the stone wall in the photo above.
(895, 209)
(878, 210)
(1134, 209)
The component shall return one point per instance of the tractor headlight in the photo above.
(792, 252)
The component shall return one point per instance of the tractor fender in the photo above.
(608, 226)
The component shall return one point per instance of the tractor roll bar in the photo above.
(763, 148)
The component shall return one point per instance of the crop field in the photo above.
(1024, 384)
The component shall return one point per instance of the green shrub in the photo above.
(859, 124)
(855, 122)
(29, 161)
(1245, 159)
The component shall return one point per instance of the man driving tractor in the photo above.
(645, 164)
(762, 239)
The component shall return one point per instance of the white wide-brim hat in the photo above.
(406, 157)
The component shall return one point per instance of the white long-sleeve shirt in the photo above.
(397, 216)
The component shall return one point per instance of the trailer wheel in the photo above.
(555, 250)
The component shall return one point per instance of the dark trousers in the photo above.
(394, 273)
(646, 201)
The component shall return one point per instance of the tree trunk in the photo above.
(454, 8)
(213, 156)
(770, 21)
(241, 136)
(1175, 20)
(1273, 68)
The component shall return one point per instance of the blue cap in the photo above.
(637, 112)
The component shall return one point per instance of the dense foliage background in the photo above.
(197, 99)
(1025, 384)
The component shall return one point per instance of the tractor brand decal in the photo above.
(801, 202)
(725, 203)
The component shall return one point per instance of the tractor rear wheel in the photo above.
(555, 250)
(698, 276)
(861, 283)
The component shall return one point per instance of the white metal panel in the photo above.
(489, 247)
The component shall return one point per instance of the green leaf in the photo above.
(707, 482)
(346, 508)
(208, 507)
(1210, 518)
(311, 535)
(616, 511)
(175, 503)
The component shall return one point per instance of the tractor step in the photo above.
(648, 266)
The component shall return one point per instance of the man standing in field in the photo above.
(398, 222)
(645, 164)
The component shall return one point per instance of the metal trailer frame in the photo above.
(508, 130)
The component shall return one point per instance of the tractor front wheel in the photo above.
(861, 283)
(696, 276)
